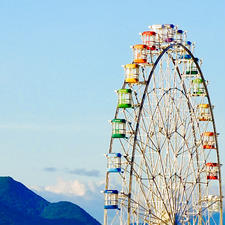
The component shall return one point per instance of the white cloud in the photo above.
(73, 187)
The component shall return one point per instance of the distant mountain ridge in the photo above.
(21, 206)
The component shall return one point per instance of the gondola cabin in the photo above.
(209, 140)
(140, 53)
(111, 199)
(188, 45)
(212, 170)
(158, 29)
(114, 162)
(124, 98)
(198, 88)
(179, 36)
(131, 73)
(168, 32)
(149, 39)
(118, 128)
(192, 67)
(184, 58)
(204, 113)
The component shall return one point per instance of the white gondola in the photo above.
(114, 162)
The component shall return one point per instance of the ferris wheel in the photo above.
(163, 164)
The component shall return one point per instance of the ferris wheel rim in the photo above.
(140, 111)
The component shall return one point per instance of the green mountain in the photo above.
(21, 206)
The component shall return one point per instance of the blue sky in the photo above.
(60, 62)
